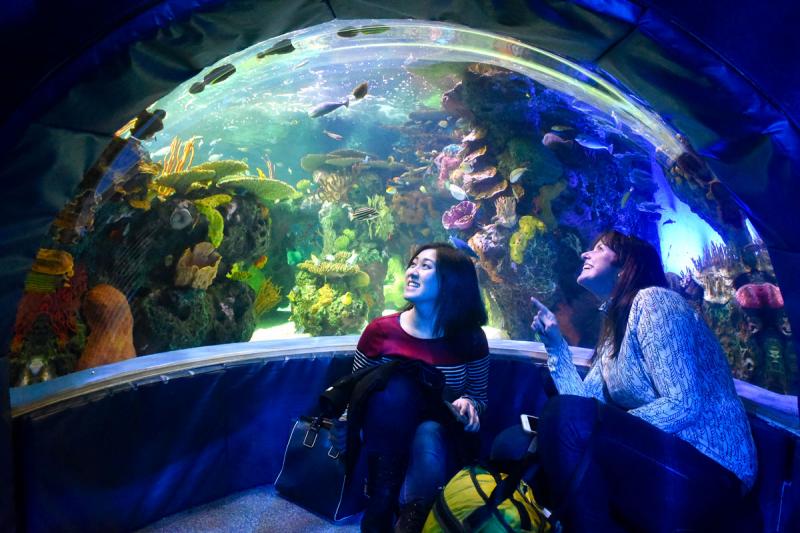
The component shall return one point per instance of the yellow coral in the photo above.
(268, 297)
(529, 226)
(325, 297)
(544, 201)
(53, 262)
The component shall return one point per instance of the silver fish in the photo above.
(516, 174)
(327, 107)
(593, 144)
(456, 192)
(649, 207)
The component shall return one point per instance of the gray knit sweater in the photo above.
(672, 373)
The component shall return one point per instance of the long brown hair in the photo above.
(641, 268)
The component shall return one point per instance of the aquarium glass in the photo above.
(281, 191)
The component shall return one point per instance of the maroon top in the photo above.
(464, 359)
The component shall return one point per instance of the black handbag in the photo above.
(314, 474)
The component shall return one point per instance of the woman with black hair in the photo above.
(407, 444)
(654, 438)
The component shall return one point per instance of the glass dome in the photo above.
(280, 192)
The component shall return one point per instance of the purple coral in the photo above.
(460, 216)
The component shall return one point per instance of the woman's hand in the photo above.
(545, 323)
(466, 409)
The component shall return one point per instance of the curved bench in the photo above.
(120, 446)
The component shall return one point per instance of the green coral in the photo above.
(237, 274)
(215, 200)
(332, 308)
(382, 226)
(264, 189)
(529, 226)
(216, 224)
(224, 167)
(341, 243)
(181, 181)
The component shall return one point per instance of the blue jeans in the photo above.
(396, 424)
(635, 476)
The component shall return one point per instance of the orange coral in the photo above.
(110, 322)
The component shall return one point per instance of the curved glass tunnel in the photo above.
(280, 192)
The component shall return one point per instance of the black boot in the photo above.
(412, 517)
(385, 475)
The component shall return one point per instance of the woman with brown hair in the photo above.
(654, 438)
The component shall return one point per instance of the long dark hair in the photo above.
(458, 305)
(641, 268)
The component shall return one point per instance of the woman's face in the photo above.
(422, 285)
(599, 274)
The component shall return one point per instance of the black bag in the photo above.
(313, 474)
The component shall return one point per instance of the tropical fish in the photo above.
(626, 197)
(300, 64)
(668, 221)
(214, 157)
(560, 128)
(348, 31)
(364, 213)
(260, 262)
(391, 189)
(374, 30)
(463, 246)
(352, 259)
(442, 123)
(283, 46)
(289, 170)
(516, 174)
(423, 190)
(456, 192)
(361, 90)
(221, 73)
(334, 136)
(347, 298)
(593, 144)
(327, 107)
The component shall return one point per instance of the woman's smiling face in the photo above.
(599, 272)
(422, 282)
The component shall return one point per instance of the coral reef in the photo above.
(529, 226)
(108, 317)
(198, 266)
(267, 298)
(264, 189)
(460, 216)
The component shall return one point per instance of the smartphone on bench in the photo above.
(530, 423)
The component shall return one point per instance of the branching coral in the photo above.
(179, 157)
(505, 211)
(382, 226)
(267, 298)
(333, 186)
(716, 270)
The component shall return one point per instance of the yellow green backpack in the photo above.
(470, 503)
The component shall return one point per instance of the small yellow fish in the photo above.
(347, 299)
(423, 189)
(391, 189)
(261, 262)
(626, 197)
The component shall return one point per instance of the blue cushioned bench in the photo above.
(118, 447)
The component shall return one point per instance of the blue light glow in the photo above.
(687, 236)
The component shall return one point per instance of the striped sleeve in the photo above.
(362, 361)
(478, 382)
